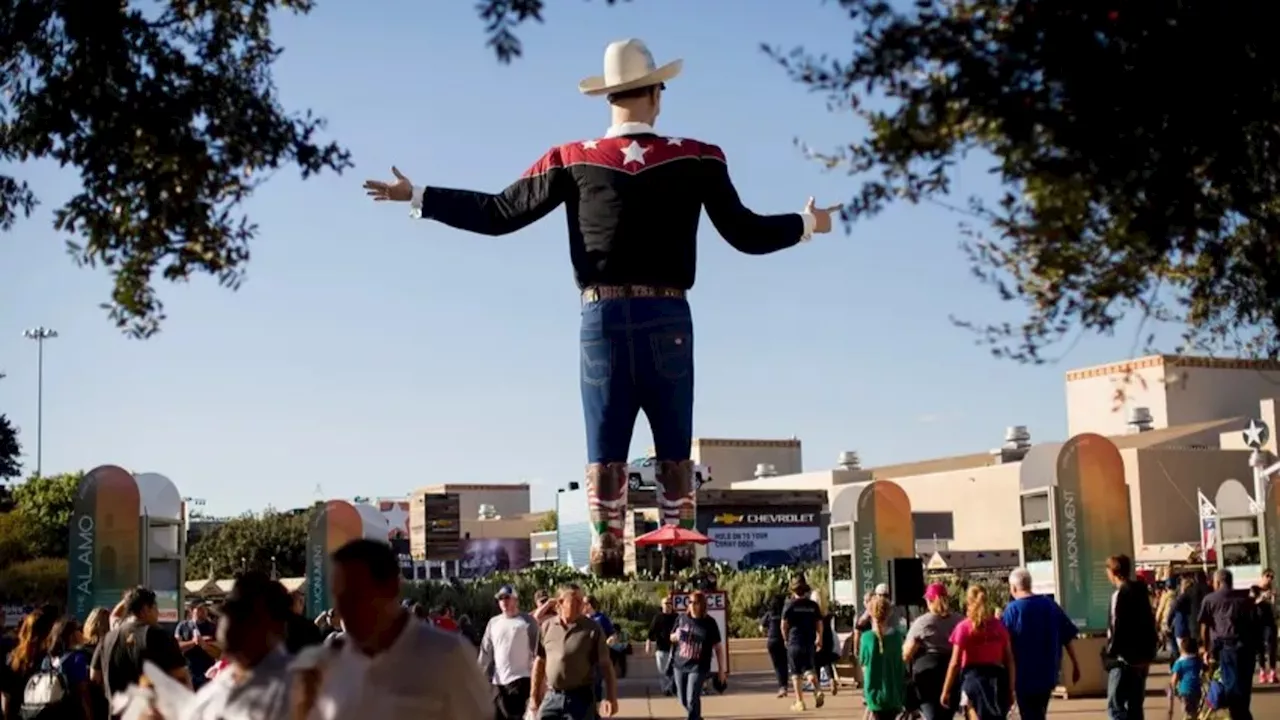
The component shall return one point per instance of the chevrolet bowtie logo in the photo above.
(729, 519)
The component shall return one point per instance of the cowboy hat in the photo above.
(628, 65)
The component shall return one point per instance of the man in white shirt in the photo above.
(387, 664)
(506, 655)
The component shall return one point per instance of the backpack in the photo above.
(47, 693)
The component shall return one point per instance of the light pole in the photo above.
(40, 334)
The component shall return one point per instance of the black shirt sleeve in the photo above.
(161, 649)
(746, 231)
(713, 633)
(536, 193)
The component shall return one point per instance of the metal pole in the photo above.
(39, 403)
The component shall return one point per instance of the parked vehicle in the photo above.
(642, 474)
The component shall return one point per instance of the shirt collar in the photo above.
(630, 128)
(410, 626)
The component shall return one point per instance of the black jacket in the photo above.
(633, 203)
(1132, 625)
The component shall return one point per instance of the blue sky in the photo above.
(369, 354)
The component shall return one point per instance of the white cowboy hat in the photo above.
(628, 65)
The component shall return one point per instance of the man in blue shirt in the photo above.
(1039, 631)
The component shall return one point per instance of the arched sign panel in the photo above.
(883, 530)
(105, 555)
(334, 525)
(1092, 523)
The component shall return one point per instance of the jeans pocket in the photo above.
(597, 361)
(672, 354)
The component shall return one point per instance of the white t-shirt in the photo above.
(509, 643)
(426, 673)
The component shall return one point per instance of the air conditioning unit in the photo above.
(1017, 441)
(764, 470)
(848, 460)
(1140, 420)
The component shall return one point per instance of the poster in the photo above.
(718, 610)
(764, 537)
(105, 548)
(1271, 521)
(485, 556)
(1092, 523)
(884, 530)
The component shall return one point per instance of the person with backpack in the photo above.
(60, 689)
(24, 661)
(117, 662)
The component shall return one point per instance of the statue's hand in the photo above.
(822, 215)
(399, 191)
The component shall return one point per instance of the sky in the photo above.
(369, 354)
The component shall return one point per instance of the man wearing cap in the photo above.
(634, 199)
(507, 652)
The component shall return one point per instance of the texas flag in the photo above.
(1208, 528)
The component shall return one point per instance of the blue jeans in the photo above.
(637, 355)
(689, 692)
(1126, 690)
(575, 705)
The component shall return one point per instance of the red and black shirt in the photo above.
(633, 205)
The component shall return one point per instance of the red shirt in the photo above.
(980, 647)
(445, 623)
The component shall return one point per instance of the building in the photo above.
(507, 500)
(973, 502)
(738, 459)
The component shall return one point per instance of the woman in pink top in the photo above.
(981, 660)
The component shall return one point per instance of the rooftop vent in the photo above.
(1017, 441)
(764, 470)
(849, 460)
(1139, 420)
(489, 512)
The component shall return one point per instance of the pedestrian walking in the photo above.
(696, 640)
(802, 628)
(1229, 640)
(572, 649)
(1039, 632)
(928, 652)
(659, 643)
(884, 672)
(982, 664)
(1131, 641)
(507, 651)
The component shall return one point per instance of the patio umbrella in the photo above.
(672, 536)
(669, 536)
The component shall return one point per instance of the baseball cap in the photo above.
(936, 591)
(882, 589)
(505, 591)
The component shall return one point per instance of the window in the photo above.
(1037, 546)
(930, 525)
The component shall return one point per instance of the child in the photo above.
(1184, 679)
(884, 672)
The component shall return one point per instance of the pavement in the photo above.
(751, 697)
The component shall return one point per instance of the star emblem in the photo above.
(675, 141)
(590, 144)
(634, 153)
(1256, 435)
(396, 517)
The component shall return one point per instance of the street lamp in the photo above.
(39, 334)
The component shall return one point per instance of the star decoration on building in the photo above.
(396, 517)
(590, 144)
(1256, 435)
(634, 153)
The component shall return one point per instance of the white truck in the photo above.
(642, 474)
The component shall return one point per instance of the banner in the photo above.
(105, 556)
(884, 530)
(1092, 523)
(485, 556)
(764, 537)
(333, 526)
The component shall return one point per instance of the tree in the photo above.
(1126, 190)
(171, 117)
(550, 521)
(10, 450)
(44, 505)
(253, 542)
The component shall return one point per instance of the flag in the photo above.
(1208, 528)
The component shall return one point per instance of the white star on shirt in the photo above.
(675, 141)
(634, 153)
(590, 144)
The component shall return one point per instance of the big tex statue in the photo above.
(633, 199)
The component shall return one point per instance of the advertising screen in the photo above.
(767, 537)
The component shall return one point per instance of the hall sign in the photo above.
(767, 518)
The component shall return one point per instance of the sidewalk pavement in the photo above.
(751, 697)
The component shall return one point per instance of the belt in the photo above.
(621, 292)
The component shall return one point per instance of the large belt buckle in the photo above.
(591, 294)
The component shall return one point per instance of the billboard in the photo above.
(435, 527)
(485, 556)
(763, 537)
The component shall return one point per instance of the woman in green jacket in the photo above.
(884, 675)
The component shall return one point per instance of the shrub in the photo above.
(35, 581)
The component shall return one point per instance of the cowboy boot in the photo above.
(606, 509)
(678, 502)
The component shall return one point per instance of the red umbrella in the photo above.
(672, 536)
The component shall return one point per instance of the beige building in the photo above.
(731, 460)
(506, 500)
(1188, 439)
